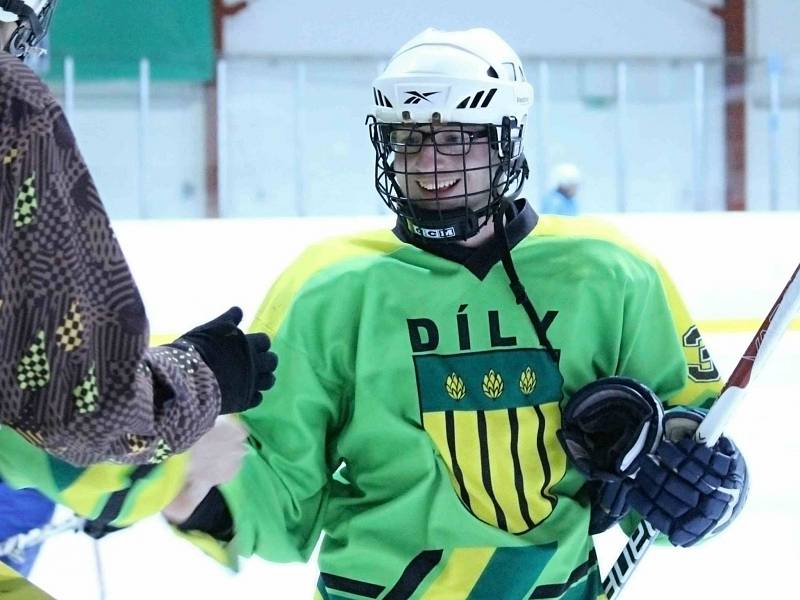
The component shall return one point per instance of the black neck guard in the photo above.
(480, 259)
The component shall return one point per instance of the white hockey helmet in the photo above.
(470, 76)
(32, 18)
(454, 78)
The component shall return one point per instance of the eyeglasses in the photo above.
(453, 142)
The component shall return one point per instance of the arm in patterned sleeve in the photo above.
(76, 377)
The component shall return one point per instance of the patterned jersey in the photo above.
(415, 413)
(76, 376)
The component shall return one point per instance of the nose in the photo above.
(429, 159)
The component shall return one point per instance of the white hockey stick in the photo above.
(764, 342)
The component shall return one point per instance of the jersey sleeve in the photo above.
(278, 499)
(76, 375)
(661, 344)
(662, 347)
(112, 494)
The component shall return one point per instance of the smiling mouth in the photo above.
(438, 186)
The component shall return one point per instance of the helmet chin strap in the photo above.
(445, 225)
(520, 294)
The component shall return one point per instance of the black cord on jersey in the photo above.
(101, 526)
(520, 294)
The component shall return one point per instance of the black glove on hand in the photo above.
(608, 428)
(242, 363)
(609, 425)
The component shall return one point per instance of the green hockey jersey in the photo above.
(415, 413)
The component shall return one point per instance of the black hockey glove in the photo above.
(609, 425)
(608, 428)
(686, 490)
(242, 363)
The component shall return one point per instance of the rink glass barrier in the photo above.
(286, 136)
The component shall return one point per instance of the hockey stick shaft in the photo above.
(753, 360)
(34, 537)
(751, 363)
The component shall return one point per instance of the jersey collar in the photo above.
(479, 260)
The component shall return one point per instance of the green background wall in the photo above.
(107, 38)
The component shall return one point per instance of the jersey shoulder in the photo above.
(325, 263)
(596, 244)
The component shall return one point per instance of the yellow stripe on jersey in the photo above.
(501, 466)
(435, 425)
(82, 495)
(14, 586)
(89, 492)
(314, 260)
(533, 466)
(555, 451)
(162, 487)
(468, 455)
(460, 574)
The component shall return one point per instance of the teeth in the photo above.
(431, 186)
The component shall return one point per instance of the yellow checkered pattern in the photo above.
(163, 451)
(33, 371)
(26, 205)
(69, 334)
(136, 443)
(10, 156)
(86, 393)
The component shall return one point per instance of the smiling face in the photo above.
(439, 167)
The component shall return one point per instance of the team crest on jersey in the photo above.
(493, 417)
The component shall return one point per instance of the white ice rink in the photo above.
(754, 559)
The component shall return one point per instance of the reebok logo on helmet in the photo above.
(415, 97)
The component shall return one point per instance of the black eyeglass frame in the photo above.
(443, 147)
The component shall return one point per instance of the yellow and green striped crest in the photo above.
(493, 417)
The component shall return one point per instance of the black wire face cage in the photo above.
(31, 28)
(458, 196)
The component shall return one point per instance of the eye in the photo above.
(399, 136)
(450, 137)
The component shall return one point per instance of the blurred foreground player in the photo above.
(76, 375)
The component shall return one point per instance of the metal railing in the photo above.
(647, 134)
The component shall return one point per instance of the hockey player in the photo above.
(76, 375)
(425, 371)
(560, 200)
